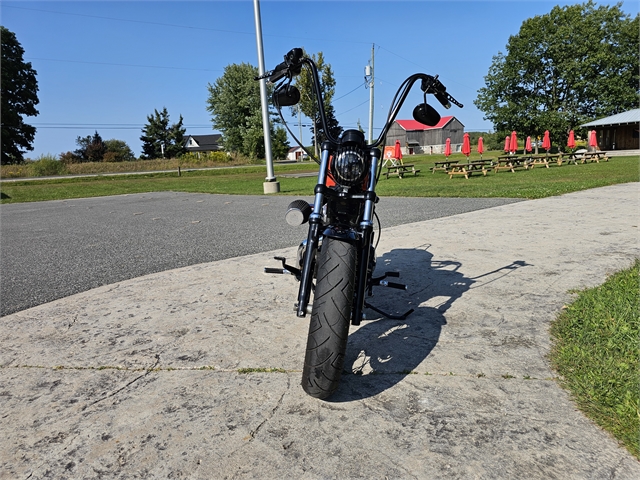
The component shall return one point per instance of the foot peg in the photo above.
(381, 282)
(286, 269)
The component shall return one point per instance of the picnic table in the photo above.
(511, 162)
(585, 157)
(400, 170)
(545, 159)
(444, 165)
(470, 168)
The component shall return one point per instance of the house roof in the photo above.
(295, 149)
(410, 125)
(632, 116)
(203, 140)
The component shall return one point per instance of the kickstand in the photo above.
(388, 315)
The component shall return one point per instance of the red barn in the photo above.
(418, 138)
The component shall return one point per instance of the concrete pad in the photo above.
(142, 378)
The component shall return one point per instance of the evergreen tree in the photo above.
(19, 98)
(158, 135)
(90, 148)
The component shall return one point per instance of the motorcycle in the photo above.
(339, 251)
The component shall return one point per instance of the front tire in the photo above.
(330, 317)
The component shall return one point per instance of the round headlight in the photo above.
(348, 166)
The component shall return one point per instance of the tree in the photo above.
(19, 98)
(280, 144)
(90, 148)
(309, 105)
(236, 111)
(117, 151)
(161, 140)
(570, 66)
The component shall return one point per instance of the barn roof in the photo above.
(632, 116)
(410, 125)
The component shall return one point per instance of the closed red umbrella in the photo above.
(513, 145)
(466, 145)
(480, 146)
(447, 147)
(571, 143)
(593, 142)
(527, 145)
(507, 143)
(398, 151)
(546, 141)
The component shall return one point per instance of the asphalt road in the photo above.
(50, 250)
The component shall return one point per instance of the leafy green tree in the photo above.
(570, 66)
(19, 98)
(157, 135)
(309, 105)
(90, 148)
(236, 111)
(117, 151)
(280, 143)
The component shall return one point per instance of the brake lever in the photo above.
(453, 100)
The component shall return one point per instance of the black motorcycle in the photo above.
(339, 252)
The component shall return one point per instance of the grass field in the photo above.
(596, 351)
(537, 183)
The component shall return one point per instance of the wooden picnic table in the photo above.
(467, 169)
(400, 170)
(545, 159)
(585, 157)
(444, 165)
(511, 162)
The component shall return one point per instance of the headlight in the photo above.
(348, 166)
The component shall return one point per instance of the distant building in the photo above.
(416, 137)
(296, 153)
(203, 143)
(617, 132)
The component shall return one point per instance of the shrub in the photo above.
(205, 157)
(47, 165)
(69, 157)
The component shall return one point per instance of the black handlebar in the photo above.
(292, 66)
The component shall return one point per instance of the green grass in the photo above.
(596, 352)
(537, 183)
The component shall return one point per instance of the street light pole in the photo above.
(371, 96)
(271, 185)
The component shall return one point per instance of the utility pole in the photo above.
(271, 185)
(368, 76)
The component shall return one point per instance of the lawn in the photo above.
(596, 352)
(537, 183)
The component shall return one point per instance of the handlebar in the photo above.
(292, 66)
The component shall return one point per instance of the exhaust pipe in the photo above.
(298, 212)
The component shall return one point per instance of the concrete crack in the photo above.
(255, 431)
(114, 393)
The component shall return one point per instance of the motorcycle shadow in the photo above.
(382, 352)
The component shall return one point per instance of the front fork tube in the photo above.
(315, 223)
(366, 229)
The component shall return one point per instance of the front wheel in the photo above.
(330, 317)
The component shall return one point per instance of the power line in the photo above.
(342, 113)
(121, 64)
(363, 83)
(145, 22)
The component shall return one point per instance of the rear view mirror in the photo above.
(286, 97)
(426, 114)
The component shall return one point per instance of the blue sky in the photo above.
(105, 66)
